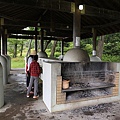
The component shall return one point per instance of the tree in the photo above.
(15, 47)
(21, 49)
(15, 50)
(29, 47)
(47, 42)
(12, 47)
(53, 49)
(100, 46)
(112, 44)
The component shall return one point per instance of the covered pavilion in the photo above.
(58, 20)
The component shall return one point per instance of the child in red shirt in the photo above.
(34, 76)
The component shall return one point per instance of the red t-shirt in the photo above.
(34, 69)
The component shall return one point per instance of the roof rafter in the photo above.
(100, 12)
(58, 5)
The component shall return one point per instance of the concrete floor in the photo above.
(18, 107)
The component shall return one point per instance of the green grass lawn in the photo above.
(18, 62)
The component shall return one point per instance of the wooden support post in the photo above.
(0, 39)
(2, 35)
(42, 39)
(94, 40)
(62, 47)
(36, 39)
(5, 42)
(76, 25)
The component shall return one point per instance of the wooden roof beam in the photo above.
(30, 37)
(57, 5)
(102, 26)
(47, 33)
(57, 33)
(45, 38)
(42, 25)
(57, 26)
(100, 12)
(26, 32)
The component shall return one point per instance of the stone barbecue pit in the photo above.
(88, 81)
(89, 84)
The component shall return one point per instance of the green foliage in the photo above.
(11, 46)
(112, 44)
(48, 51)
(111, 47)
(31, 28)
(110, 58)
(67, 46)
(110, 53)
(86, 45)
(88, 48)
(58, 47)
(57, 54)
(49, 45)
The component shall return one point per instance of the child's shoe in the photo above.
(28, 96)
(36, 97)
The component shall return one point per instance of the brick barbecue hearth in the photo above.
(98, 93)
(115, 91)
(89, 84)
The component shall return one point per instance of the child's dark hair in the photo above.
(35, 57)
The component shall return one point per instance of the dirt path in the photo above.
(18, 107)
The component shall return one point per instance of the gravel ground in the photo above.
(18, 107)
